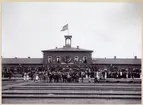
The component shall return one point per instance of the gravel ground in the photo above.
(69, 91)
(62, 100)
(70, 101)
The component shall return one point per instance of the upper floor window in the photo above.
(49, 59)
(58, 59)
(76, 58)
(85, 59)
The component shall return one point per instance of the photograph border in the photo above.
(118, 1)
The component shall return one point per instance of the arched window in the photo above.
(49, 59)
(76, 58)
(58, 59)
(85, 59)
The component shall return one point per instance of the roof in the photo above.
(116, 61)
(22, 60)
(68, 49)
(95, 61)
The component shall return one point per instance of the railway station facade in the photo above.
(68, 57)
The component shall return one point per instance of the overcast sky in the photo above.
(110, 29)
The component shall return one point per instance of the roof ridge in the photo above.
(67, 49)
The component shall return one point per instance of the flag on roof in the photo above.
(65, 27)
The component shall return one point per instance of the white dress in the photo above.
(37, 77)
(97, 75)
(25, 76)
(86, 76)
(105, 75)
(121, 73)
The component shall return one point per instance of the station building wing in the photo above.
(127, 61)
(22, 60)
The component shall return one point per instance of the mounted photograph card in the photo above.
(71, 52)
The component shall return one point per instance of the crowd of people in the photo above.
(79, 76)
(54, 76)
(74, 75)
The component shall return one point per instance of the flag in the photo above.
(65, 27)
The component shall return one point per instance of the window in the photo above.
(76, 58)
(58, 59)
(49, 59)
(85, 59)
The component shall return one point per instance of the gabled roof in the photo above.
(68, 49)
(116, 61)
(22, 60)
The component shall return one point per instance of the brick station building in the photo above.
(68, 57)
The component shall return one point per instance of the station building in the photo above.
(71, 57)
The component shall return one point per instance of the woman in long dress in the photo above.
(105, 76)
(69, 77)
(37, 77)
(97, 75)
(25, 76)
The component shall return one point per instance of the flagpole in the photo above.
(68, 30)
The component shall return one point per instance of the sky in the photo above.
(108, 28)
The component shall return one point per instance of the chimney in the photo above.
(114, 57)
(135, 57)
(77, 47)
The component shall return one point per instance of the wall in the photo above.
(71, 54)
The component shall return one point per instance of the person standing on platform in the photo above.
(89, 78)
(31, 75)
(57, 77)
(34, 76)
(66, 76)
(69, 77)
(50, 76)
(37, 77)
(140, 74)
(97, 75)
(77, 77)
(121, 73)
(40, 76)
(25, 75)
(86, 74)
(44, 76)
(105, 74)
(63, 77)
(127, 73)
(47, 77)
(82, 76)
